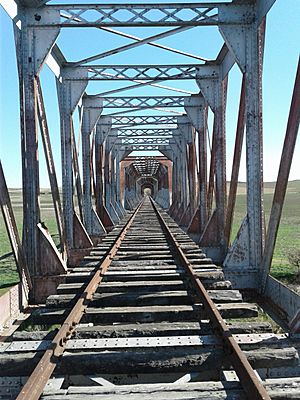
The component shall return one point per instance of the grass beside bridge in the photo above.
(287, 241)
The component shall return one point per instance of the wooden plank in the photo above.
(183, 359)
(123, 299)
(150, 298)
(278, 389)
(146, 314)
(146, 329)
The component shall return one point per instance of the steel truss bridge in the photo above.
(103, 181)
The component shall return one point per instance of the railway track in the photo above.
(146, 314)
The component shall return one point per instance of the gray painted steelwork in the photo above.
(176, 126)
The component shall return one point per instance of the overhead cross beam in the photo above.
(143, 101)
(143, 141)
(134, 72)
(175, 14)
(144, 120)
(144, 132)
(146, 165)
(144, 147)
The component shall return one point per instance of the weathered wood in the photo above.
(182, 359)
(278, 388)
(180, 297)
(124, 299)
(146, 314)
(111, 287)
(151, 329)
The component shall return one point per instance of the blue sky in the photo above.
(281, 57)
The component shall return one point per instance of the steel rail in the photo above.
(35, 384)
(251, 384)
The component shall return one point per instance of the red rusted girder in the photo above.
(192, 172)
(282, 180)
(211, 180)
(92, 164)
(35, 384)
(76, 172)
(236, 162)
(253, 387)
(202, 177)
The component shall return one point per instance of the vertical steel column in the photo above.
(113, 178)
(202, 177)
(192, 172)
(33, 45)
(246, 42)
(214, 89)
(106, 163)
(76, 172)
(67, 168)
(91, 113)
(86, 176)
(254, 154)
(102, 130)
(220, 161)
(70, 93)
(98, 170)
(196, 109)
(31, 191)
(236, 163)
(118, 189)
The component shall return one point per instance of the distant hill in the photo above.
(269, 187)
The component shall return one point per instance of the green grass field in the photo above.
(287, 240)
(8, 271)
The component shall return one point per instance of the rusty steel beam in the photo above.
(211, 179)
(76, 170)
(13, 234)
(92, 165)
(35, 384)
(282, 180)
(192, 173)
(202, 174)
(50, 165)
(236, 163)
(250, 382)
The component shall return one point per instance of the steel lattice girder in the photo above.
(144, 120)
(146, 165)
(143, 101)
(144, 141)
(144, 132)
(144, 147)
(135, 14)
(134, 72)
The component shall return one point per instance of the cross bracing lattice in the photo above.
(135, 15)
